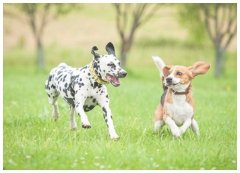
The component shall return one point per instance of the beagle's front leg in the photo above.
(185, 126)
(174, 128)
(195, 127)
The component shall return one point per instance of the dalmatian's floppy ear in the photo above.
(110, 49)
(96, 55)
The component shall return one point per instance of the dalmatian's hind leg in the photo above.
(55, 112)
(52, 98)
(73, 124)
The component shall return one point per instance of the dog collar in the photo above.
(95, 76)
(182, 93)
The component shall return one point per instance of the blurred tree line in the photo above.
(129, 18)
(217, 22)
(37, 16)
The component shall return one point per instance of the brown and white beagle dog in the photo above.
(177, 105)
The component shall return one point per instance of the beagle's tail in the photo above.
(159, 63)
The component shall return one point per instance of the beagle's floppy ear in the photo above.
(199, 67)
(166, 70)
(110, 49)
(96, 55)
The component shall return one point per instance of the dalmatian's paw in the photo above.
(55, 115)
(115, 137)
(86, 126)
(73, 128)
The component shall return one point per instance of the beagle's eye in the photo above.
(179, 73)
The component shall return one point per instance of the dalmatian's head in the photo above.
(107, 67)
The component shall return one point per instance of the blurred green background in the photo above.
(33, 141)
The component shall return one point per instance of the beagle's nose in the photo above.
(169, 80)
(122, 73)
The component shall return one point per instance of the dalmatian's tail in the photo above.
(159, 63)
(62, 65)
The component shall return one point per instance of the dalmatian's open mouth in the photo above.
(113, 80)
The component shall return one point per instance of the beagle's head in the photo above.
(179, 77)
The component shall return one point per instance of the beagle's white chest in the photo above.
(179, 110)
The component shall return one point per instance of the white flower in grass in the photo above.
(102, 167)
(96, 157)
(96, 164)
(10, 161)
(28, 157)
(155, 165)
(144, 131)
(14, 103)
(75, 163)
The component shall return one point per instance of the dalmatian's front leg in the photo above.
(79, 103)
(107, 114)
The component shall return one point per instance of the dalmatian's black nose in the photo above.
(122, 74)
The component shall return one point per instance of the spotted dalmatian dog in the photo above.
(84, 88)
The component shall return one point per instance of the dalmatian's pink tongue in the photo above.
(113, 80)
(116, 81)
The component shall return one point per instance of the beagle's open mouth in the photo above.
(175, 83)
(113, 80)
(172, 84)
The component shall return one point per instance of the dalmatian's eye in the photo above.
(179, 73)
(111, 65)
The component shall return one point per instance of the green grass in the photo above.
(33, 141)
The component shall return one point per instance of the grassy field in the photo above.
(32, 140)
